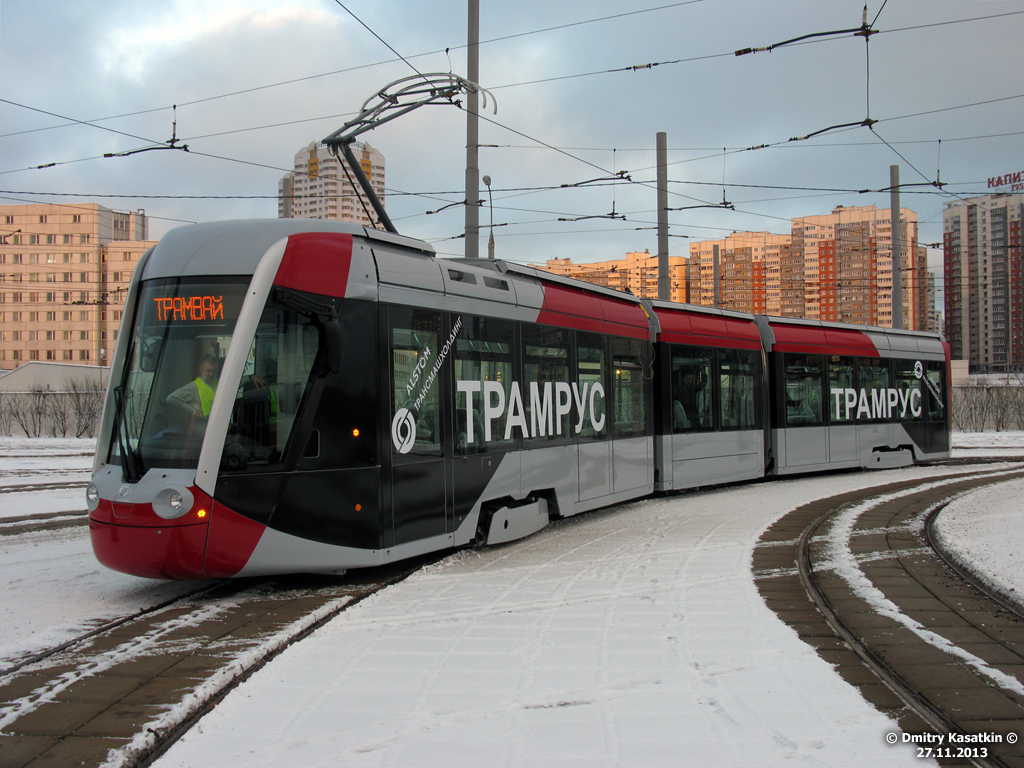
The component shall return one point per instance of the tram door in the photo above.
(804, 402)
(421, 504)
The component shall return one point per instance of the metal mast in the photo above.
(472, 250)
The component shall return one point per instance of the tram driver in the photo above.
(196, 397)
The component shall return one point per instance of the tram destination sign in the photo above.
(170, 309)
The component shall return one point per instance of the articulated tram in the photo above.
(302, 396)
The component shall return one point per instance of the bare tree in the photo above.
(59, 410)
(971, 406)
(6, 413)
(85, 403)
(29, 410)
(1016, 393)
(1001, 406)
(960, 408)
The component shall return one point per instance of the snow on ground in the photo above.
(54, 588)
(966, 444)
(27, 462)
(983, 530)
(626, 637)
(630, 637)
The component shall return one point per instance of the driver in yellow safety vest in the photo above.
(196, 397)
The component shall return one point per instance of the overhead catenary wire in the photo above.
(270, 196)
(634, 67)
(346, 70)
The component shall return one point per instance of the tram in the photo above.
(305, 396)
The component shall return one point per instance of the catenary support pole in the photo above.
(714, 277)
(897, 246)
(472, 250)
(664, 286)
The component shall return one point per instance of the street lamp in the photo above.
(490, 240)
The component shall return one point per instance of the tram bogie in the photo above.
(295, 395)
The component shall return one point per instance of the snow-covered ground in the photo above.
(630, 637)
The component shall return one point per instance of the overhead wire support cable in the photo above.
(611, 215)
(618, 176)
(864, 30)
(171, 143)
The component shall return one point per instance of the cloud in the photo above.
(163, 29)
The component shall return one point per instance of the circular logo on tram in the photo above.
(403, 430)
(918, 369)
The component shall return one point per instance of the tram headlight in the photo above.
(171, 503)
(92, 497)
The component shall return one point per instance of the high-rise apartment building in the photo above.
(848, 267)
(637, 274)
(984, 281)
(64, 276)
(320, 187)
(750, 272)
(835, 267)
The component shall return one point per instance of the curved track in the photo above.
(855, 575)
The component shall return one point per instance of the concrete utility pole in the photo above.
(897, 247)
(664, 285)
(714, 276)
(472, 250)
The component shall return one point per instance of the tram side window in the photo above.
(842, 380)
(591, 362)
(803, 391)
(484, 372)
(691, 389)
(737, 385)
(934, 378)
(275, 377)
(872, 386)
(907, 375)
(546, 369)
(629, 388)
(416, 386)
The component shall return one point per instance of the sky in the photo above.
(254, 82)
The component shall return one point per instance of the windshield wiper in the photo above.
(130, 462)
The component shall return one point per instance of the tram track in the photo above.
(16, 525)
(37, 487)
(858, 578)
(121, 693)
(43, 521)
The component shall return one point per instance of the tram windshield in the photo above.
(182, 331)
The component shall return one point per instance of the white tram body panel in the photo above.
(847, 396)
